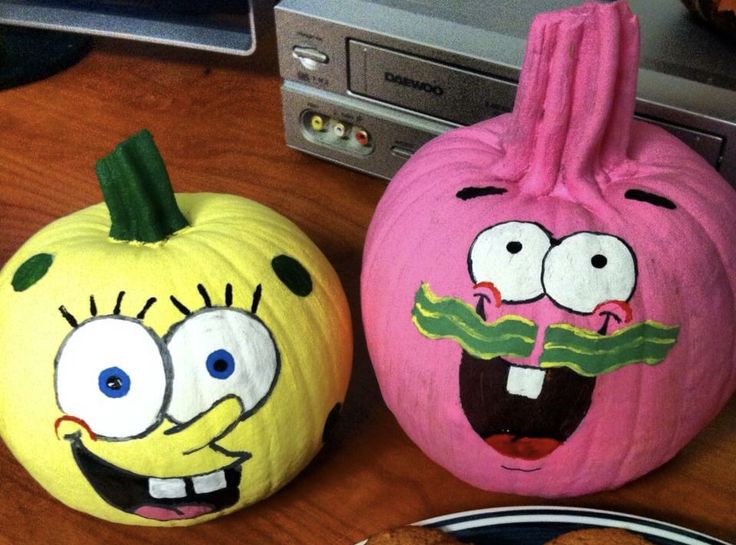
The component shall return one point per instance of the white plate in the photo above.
(537, 525)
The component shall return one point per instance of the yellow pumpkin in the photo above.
(174, 363)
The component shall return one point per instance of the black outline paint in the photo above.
(228, 294)
(97, 470)
(118, 303)
(507, 468)
(469, 259)
(205, 296)
(245, 414)
(179, 306)
(553, 244)
(256, 299)
(146, 306)
(162, 344)
(68, 316)
(165, 360)
(468, 193)
(650, 198)
(628, 247)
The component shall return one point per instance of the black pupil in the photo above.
(220, 366)
(514, 247)
(114, 383)
(598, 261)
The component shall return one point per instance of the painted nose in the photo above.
(208, 427)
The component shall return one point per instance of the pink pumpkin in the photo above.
(548, 296)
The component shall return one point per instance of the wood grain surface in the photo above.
(218, 123)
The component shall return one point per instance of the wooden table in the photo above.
(218, 123)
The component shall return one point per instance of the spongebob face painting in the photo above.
(123, 390)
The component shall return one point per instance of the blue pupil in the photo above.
(114, 382)
(220, 364)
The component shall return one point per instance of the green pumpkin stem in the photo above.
(138, 192)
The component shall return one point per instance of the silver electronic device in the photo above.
(222, 26)
(366, 82)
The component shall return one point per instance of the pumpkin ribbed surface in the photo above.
(549, 296)
(236, 258)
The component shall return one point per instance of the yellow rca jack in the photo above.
(317, 123)
(340, 129)
(362, 137)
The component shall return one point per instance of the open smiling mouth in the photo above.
(526, 412)
(159, 499)
(522, 412)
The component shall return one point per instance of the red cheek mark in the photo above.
(77, 421)
(620, 309)
(496, 295)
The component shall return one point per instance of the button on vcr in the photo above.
(309, 57)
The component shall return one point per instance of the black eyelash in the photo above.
(256, 299)
(93, 310)
(146, 306)
(184, 310)
(205, 296)
(228, 295)
(118, 303)
(68, 316)
(181, 307)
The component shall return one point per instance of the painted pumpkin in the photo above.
(548, 296)
(720, 14)
(178, 368)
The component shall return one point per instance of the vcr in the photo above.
(366, 82)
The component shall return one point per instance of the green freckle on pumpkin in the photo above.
(292, 274)
(31, 271)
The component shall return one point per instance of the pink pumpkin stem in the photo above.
(574, 107)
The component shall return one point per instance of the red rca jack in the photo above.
(362, 137)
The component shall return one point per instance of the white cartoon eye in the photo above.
(112, 373)
(588, 269)
(510, 256)
(216, 353)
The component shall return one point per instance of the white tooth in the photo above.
(525, 381)
(210, 482)
(166, 488)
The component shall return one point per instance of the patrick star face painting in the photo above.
(527, 380)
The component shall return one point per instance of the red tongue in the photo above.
(157, 512)
(526, 448)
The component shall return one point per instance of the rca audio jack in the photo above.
(339, 134)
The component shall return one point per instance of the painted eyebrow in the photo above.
(650, 198)
(472, 192)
